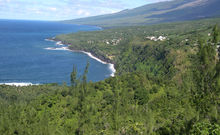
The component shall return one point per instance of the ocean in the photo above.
(25, 57)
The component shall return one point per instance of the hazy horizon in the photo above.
(45, 10)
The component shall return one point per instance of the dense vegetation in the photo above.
(162, 87)
(131, 50)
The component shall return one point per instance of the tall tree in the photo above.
(207, 72)
(215, 34)
(73, 77)
(85, 78)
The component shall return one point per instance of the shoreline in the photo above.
(61, 43)
(19, 84)
(111, 66)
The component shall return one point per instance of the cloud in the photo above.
(82, 12)
(4, 2)
(52, 9)
(63, 9)
(97, 3)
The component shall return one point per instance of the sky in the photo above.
(64, 9)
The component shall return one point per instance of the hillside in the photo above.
(109, 44)
(162, 87)
(170, 11)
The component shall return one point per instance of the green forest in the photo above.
(162, 87)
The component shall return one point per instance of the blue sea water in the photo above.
(23, 57)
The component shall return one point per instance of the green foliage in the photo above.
(141, 95)
(205, 96)
(73, 77)
(216, 34)
(205, 128)
(162, 88)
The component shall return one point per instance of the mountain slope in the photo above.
(169, 11)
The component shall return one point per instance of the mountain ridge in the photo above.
(162, 12)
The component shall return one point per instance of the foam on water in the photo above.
(58, 49)
(36, 58)
(51, 40)
(22, 84)
(111, 66)
(93, 57)
(60, 43)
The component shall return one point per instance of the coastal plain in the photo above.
(167, 79)
(161, 86)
